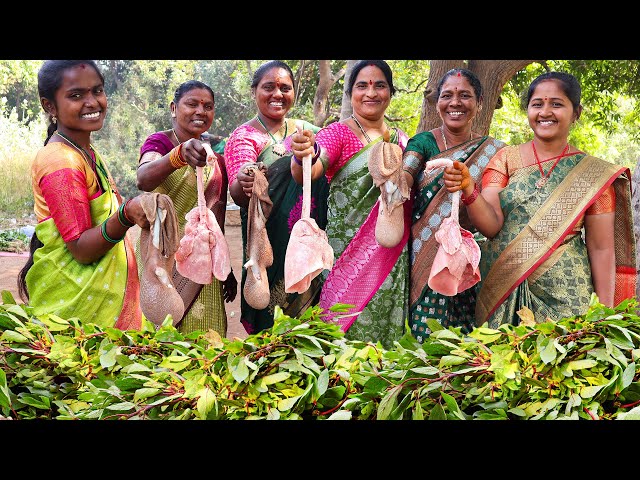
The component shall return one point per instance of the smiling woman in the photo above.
(81, 262)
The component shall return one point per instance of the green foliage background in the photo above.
(139, 93)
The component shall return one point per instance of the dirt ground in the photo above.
(11, 263)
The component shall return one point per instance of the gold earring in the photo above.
(54, 119)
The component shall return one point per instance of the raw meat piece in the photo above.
(256, 286)
(385, 167)
(308, 250)
(455, 266)
(158, 244)
(203, 252)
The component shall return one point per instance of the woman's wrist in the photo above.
(316, 154)
(471, 197)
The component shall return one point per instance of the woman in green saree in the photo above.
(192, 114)
(558, 221)
(366, 275)
(459, 98)
(265, 141)
(81, 263)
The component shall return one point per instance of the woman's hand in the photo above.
(194, 153)
(245, 178)
(457, 177)
(135, 213)
(302, 143)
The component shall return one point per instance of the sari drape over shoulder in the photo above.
(204, 304)
(432, 205)
(366, 275)
(246, 144)
(105, 292)
(539, 259)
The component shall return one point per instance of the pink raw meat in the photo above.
(203, 252)
(308, 251)
(455, 266)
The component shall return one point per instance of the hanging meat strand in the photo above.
(455, 266)
(308, 251)
(203, 252)
(259, 252)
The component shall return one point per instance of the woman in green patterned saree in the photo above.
(265, 140)
(459, 97)
(365, 274)
(82, 262)
(558, 221)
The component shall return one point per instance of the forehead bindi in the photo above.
(548, 90)
(276, 76)
(80, 77)
(370, 75)
(198, 95)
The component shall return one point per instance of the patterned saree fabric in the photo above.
(366, 275)
(538, 259)
(105, 292)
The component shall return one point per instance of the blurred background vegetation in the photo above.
(139, 93)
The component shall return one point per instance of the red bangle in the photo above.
(472, 197)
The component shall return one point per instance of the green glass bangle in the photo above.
(103, 229)
(122, 216)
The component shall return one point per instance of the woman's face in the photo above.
(550, 111)
(457, 104)
(80, 102)
(274, 95)
(194, 112)
(371, 93)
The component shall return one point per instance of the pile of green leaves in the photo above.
(13, 241)
(582, 367)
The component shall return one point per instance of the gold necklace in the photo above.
(278, 147)
(361, 129)
(444, 139)
(176, 135)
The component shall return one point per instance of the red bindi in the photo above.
(370, 82)
(459, 74)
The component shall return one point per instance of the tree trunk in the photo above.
(345, 108)
(635, 208)
(321, 98)
(493, 75)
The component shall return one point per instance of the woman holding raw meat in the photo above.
(265, 141)
(167, 165)
(558, 221)
(82, 263)
(459, 98)
(370, 277)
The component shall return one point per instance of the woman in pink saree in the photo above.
(372, 278)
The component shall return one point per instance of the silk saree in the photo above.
(539, 259)
(371, 278)
(432, 204)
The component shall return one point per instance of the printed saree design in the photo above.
(286, 196)
(537, 260)
(60, 285)
(432, 204)
(370, 277)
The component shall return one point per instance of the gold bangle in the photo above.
(175, 158)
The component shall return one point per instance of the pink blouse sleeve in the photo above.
(244, 146)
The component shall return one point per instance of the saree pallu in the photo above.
(372, 278)
(432, 205)
(537, 260)
(204, 304)
(286, 196)
(105, 292)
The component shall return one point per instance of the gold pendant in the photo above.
(541, 183)
(279, 149)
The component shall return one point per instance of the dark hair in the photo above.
(468, 74)
(568, 83)
(188, 86)
(50, 79)
(265, 67)
(381, 64)
(22, 282)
